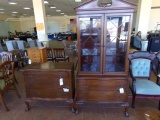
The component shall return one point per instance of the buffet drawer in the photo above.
(102, 96)
(95, 84)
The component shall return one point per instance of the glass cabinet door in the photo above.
(90, 42)
(115, 37)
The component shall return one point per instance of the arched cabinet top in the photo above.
(94, 6)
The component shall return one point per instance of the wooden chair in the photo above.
(8, 56)
(50, 56)
(140, 71)
(156, 68)
(7, 81)
(59, 54)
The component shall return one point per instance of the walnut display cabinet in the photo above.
(103, 33)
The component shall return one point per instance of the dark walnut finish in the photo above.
(103, 35)
(42, 82)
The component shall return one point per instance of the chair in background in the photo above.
(66, 46)
(8, 56)
(9, 45)
(7, 80)
(59, 54)
(70, 49)
(39, 44)
(21, 45)
(50, 56)
(154, 44)
(32, 43)
(140, 71)
(29, 39)
(14, 42)
(1, 48)
(156, 68)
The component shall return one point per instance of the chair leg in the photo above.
(159, 105)
(15, 79)
(3, 103)
(16, 91)
(133, 100)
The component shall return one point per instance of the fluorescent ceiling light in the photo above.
(77, 0)
(45, 2)
(1, 9)
(52, 7)
(62, 13)
(48, 15)
(14, 12)
(12, 3)
(24, 14)
(1, 12)
(26, 8)
(58, 10)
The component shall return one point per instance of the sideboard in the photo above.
(49, 81)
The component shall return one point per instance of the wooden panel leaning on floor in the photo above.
(7, 81)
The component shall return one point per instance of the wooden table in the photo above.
(49, 81)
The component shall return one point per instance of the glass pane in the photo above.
(90, 38)
(116, 40)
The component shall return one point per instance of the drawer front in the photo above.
(48, 93)
(101, 96)
(101, 84)
(49, 74)
(44, 82)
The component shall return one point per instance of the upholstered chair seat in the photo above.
(140, 70)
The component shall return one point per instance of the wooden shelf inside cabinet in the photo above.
(49, 81)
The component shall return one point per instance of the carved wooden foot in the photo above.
(126, 111)
(28, 107)
(3, 103)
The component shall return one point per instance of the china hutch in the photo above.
(103, 33)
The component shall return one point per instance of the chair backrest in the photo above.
(65, 44)
(49, 54)
(14, 42)
(6, 56)
(59, 52)
(29, 39)
(32, 43)
(6, 68)
(154, 44)
(140, 64)
(39, 44)
(9, 45)
(21, 45)
(1, 48)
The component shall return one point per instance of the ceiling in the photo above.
(66, 6)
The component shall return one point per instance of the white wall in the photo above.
(154, 16)
(54, 24)
(3, 28)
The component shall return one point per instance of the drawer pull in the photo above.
(65, 90)
(121, 90)
(61, 81)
